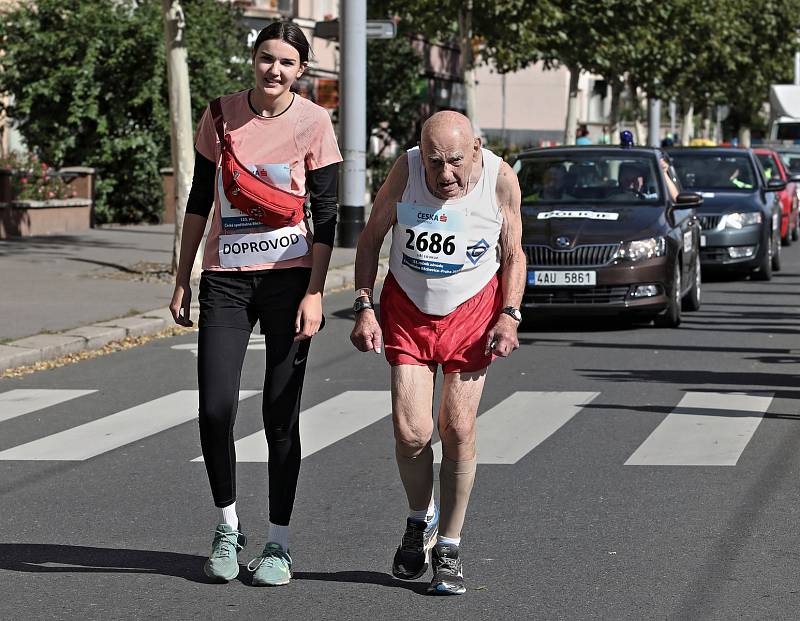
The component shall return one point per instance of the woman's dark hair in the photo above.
(287, 32)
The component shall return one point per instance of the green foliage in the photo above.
(89, 87)
(393, 102)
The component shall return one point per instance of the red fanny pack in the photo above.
(249, 193)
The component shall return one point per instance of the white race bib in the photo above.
(259, 248)
(435, 240)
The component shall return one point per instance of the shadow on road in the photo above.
(51, 558)
(361, 577)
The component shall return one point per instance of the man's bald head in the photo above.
(447, 125)
(449, 151)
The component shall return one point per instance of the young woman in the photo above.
(254, 272)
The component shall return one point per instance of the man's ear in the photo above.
(476, 149)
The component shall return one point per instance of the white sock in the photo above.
(424, 514)
(279, 534)
(451, 541)
(229, 516)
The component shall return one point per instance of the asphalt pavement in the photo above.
(625, 472)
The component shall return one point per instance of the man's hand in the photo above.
(366, 334)
(180, 305)
(502, 338)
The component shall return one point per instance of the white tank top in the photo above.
(446, 251)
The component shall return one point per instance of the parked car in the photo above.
(602, 235)
(774, 168)
(741, 212)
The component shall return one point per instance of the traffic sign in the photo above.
(376, 29)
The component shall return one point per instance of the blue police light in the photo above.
(625, 139)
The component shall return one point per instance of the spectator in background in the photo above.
(582, 135)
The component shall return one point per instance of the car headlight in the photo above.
(643, 249)
(738, 220)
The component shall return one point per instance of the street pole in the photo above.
(654, 122)
(180, 113)
(353, 118)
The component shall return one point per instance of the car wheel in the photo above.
(691, 301)
(671, 317)
(764, 269)
(787, 241)
(776, 253)
(796, 227)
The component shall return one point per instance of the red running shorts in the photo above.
(456, 341)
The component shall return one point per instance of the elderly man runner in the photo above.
(454, 211)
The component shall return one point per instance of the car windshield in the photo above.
(792, 160)
(588, 177)
(769, 165)
(712, 171)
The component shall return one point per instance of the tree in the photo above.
(484, 30)
(101, 100)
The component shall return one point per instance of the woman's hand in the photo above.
(180, 305)
(309, 316)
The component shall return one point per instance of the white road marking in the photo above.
(705, 429)
(520, 423)
(324, 424)
(26, 400)
(256, 343)
(113, 431)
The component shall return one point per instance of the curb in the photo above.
(48, 346)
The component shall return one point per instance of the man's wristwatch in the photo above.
(513, 312)
(362, 303)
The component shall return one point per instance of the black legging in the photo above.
(221, 354)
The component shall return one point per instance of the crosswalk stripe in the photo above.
(21, 401)
(324, 424)
(113, 431)
(517, 425)
(705, 429)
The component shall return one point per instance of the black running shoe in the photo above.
(412, 557)
(448, 577)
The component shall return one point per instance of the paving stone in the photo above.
(98, 336)
(136, 326)
(52, 345)
(11, 357)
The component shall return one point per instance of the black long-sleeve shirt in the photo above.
(322, 184)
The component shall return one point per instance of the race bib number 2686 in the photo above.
(434, 238)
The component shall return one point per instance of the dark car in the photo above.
(774, 168)
(602, 235)
(741, 211)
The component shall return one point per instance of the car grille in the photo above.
(588, 295)
(580, 256)
(709, 222)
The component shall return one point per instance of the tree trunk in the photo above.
(468, 63)
(572, 106)
(640, 137)
(180, 112)
(687, 124)
(744, 136)
(706, 131)
(613, 115)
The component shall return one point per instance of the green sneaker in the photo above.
(273, 567)
(223, 563)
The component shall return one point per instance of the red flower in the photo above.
(24, 180)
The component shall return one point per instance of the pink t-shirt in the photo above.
(280, 149)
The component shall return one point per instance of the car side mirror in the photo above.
(775, 185)
(688, 200)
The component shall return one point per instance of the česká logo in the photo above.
(436, 217)
(477, 250)
(563, 242)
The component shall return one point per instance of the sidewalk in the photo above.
(63, 294)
